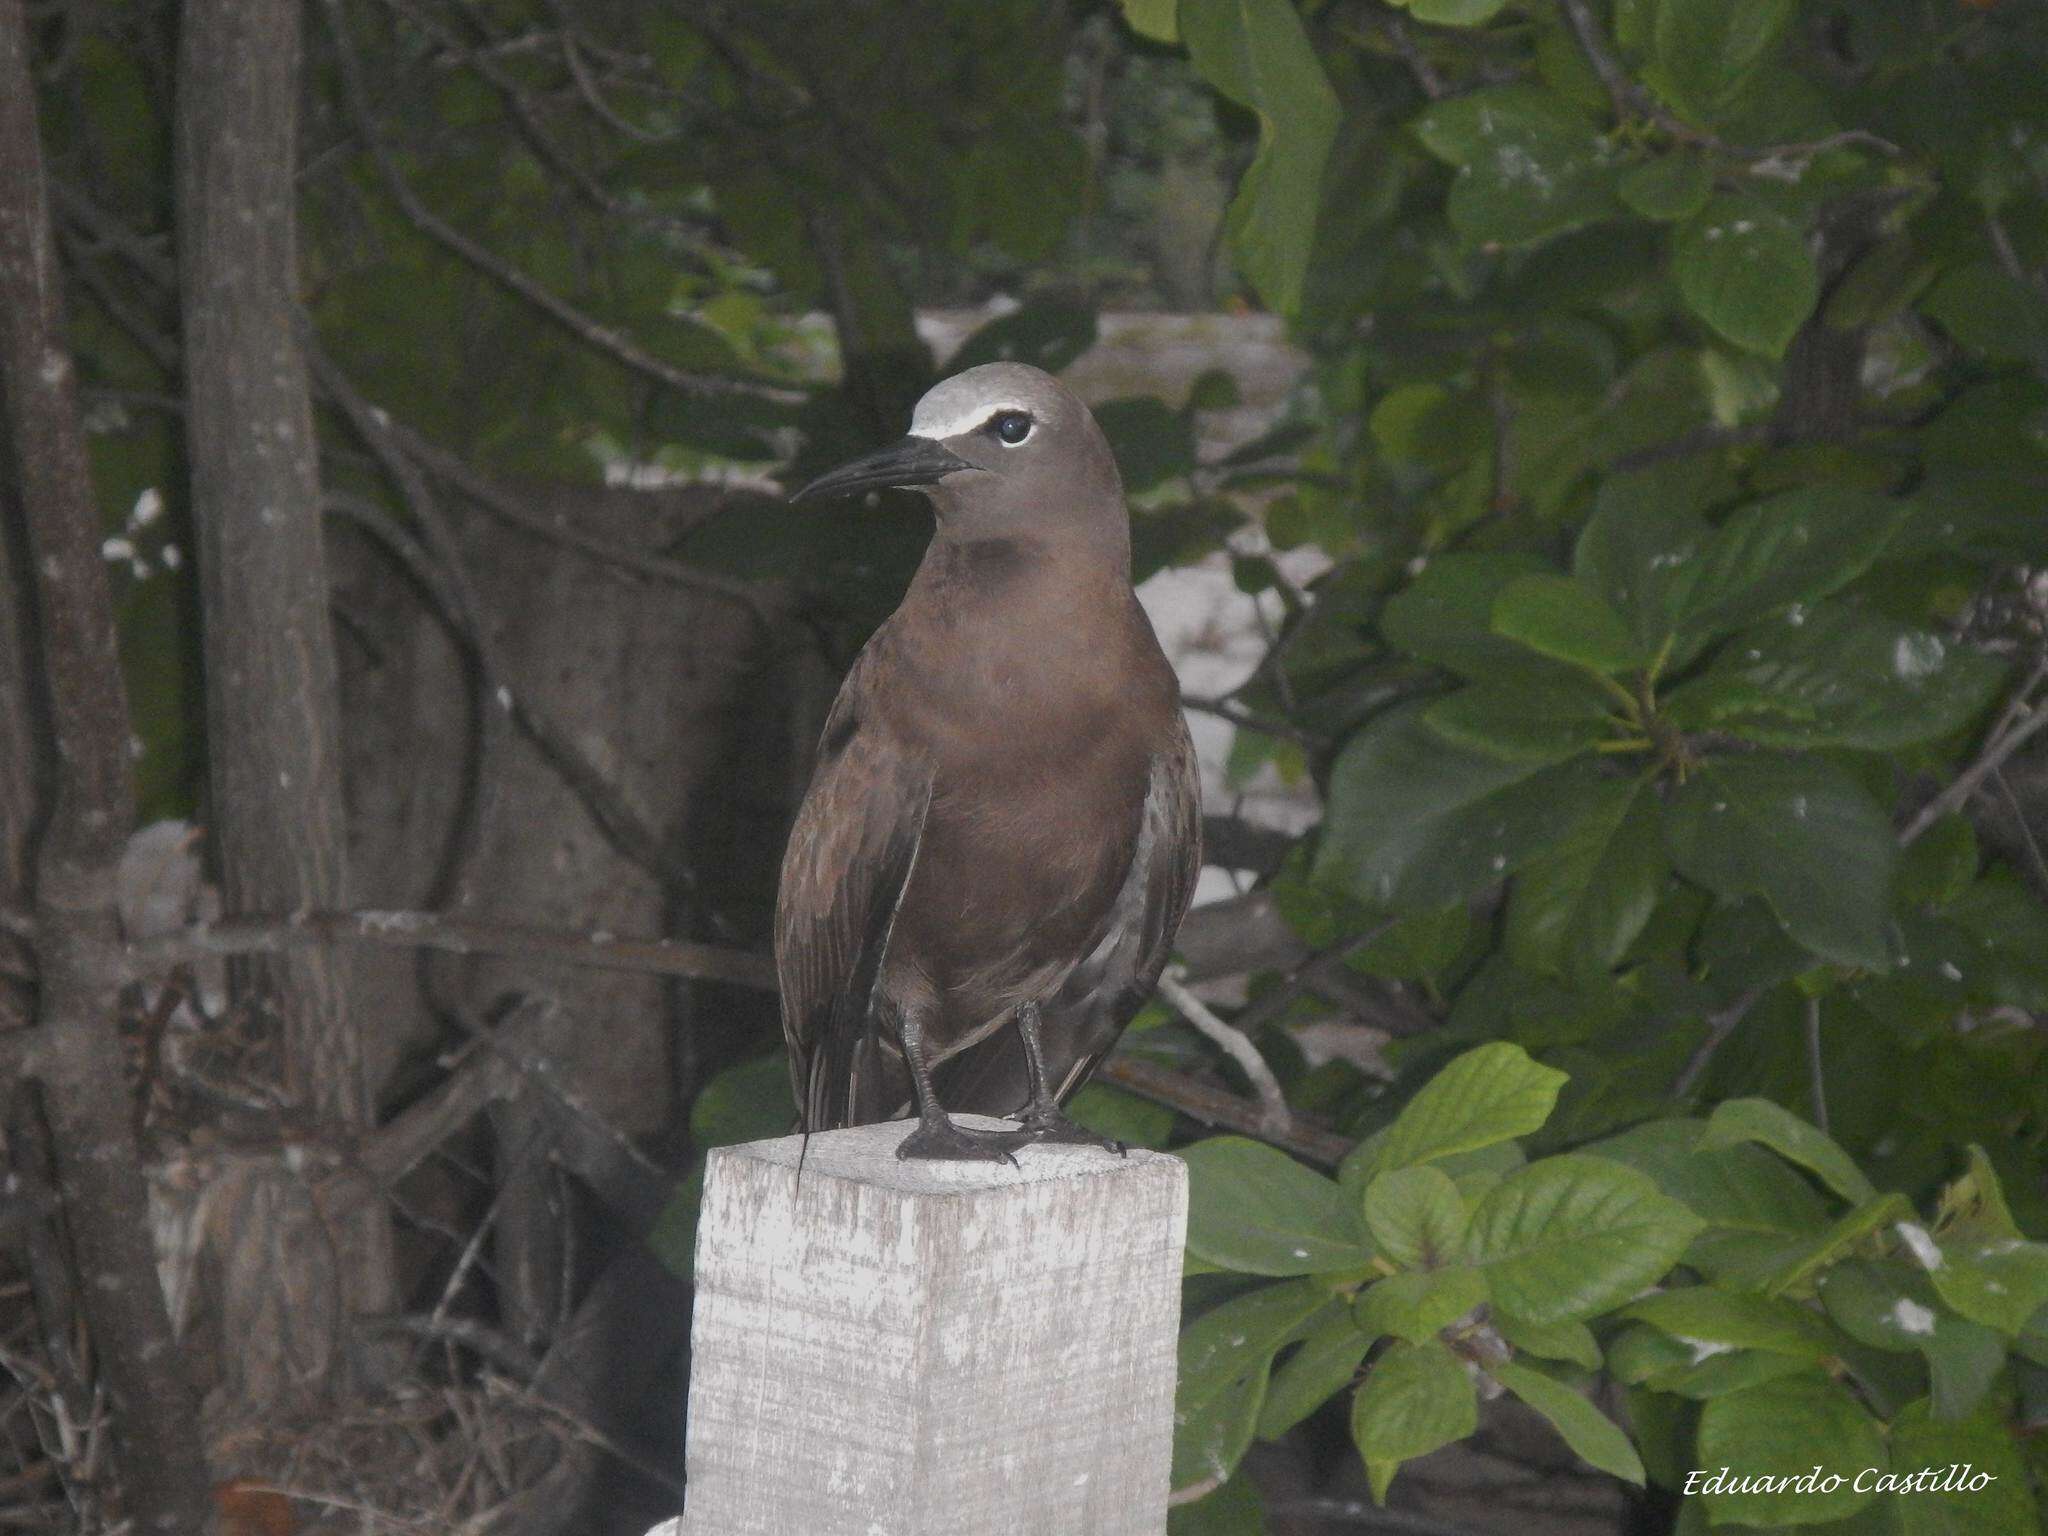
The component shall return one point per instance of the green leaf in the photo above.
(1235, 1509)
(1415, 1304)
(2001, 1506)
(1675, 576)
(1793, 1267)
(1045, 334)
(1542, 719)
(1155, 19)
(1259, 1212)
(1568, 1238)
(1530, 164)
(1783, 1429)
(1152, 443)
(1445, 615)
(1224, 1358)
(1552, 1341)
(1800, 833)
(1771, 1125)
(1707, 1315)
(1671, 187)
(2000, 1283)
(1838, 677)
(1323, 1366)
(1939, 866)
(746, 1102)
(1579, 905)
(1744, 269)
(1891, 1306)
(1113, 1112)
(1454, 13)
(1415, 1217)
(1593, 1437)
(1256, 53)
(1490, 1094)
(1416, 1399)
(1415, 822)
(1556, 617)
(1754, 1205)
(1707, 50)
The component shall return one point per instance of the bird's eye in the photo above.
(1011, 427)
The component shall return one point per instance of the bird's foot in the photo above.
(1046, 1123)
(941, 1140)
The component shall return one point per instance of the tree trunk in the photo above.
(79, 1055)
(272, 704)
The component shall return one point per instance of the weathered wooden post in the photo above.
(889, 1348)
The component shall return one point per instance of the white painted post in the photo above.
(893, 1348)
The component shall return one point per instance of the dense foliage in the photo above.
(1677, 434)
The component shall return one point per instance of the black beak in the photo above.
(913, 461)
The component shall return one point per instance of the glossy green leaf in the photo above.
(1416, 1304)
(1800, 833)
(1557, 617)
(1529, 163)
(1417, 1398)
(1322, 1367)
(1581, 903)
(2000, 1506)
(1542, 719)
(1671, 187)
(1415, 1217)
(1707, 1315)
(1839, 677)
(1256, 53)
(1489, 1094)
(1593, 1437)
(1257, 1211)
(1706, 50)
(1744, 269)
(1784, 1429)
(1552, 1341)
(1795, 1140)
(1224, 1359)
(1571, 1237)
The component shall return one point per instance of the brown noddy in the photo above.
(1003, 829)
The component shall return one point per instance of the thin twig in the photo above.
(1719, 1027)
(2021, 722)
(1816, 1082)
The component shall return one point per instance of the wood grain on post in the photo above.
(889, 1348)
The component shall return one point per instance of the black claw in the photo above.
(1049, 1124)
(941, 1140)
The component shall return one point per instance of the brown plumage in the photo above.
(1003, 829)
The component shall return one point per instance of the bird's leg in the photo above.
(937, 1136)
(1042, 1117)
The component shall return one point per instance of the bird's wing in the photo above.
(1097, 999)
(843, 876)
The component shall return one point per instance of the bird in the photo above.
(1002, 831)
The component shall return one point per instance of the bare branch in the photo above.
(452, 935)
(1214, 1106)
(1631, 99)
(625, 825)
(2022, 720)
(1275, 1117)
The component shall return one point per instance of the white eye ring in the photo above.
(1003, 423)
